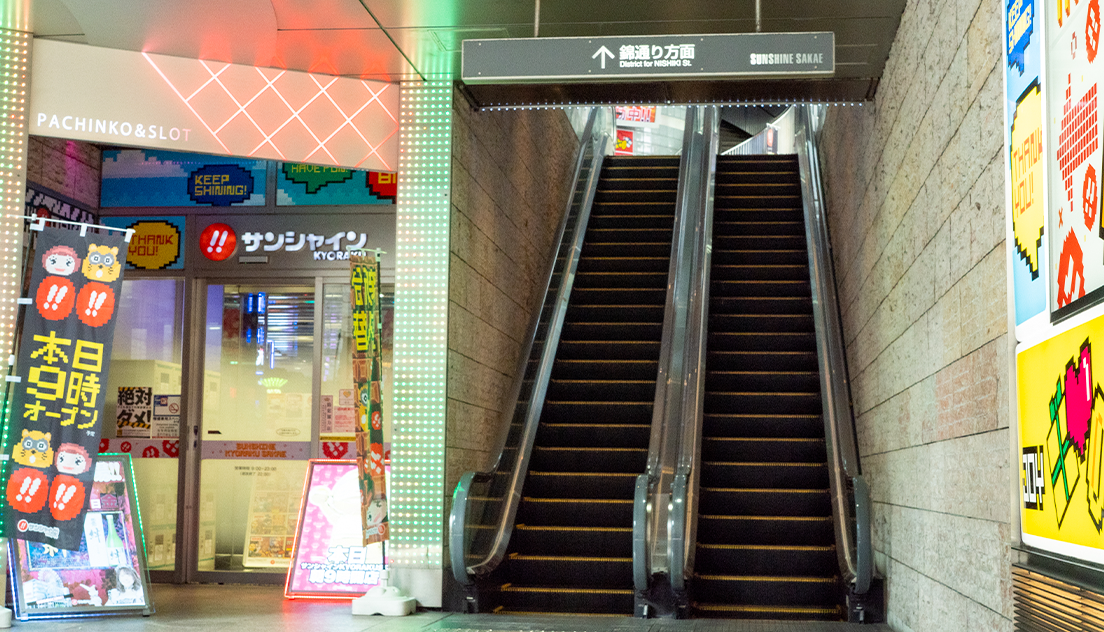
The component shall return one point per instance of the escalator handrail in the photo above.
(647, 506)
(593, 142)
(853, 545)
(681, 520)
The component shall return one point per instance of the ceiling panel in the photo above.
(242, 31)
(315, 14)
(363, 53)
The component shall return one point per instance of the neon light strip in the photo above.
(189, 105)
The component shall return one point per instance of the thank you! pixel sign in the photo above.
(648, 57)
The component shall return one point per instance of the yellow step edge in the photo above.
(547, 589)
(766, 547)
(526, 527)
(762, 490)
(578, 449)
(767, 518)
(757, 464)
(710, 607)
(604, 501)
(542, 613)
(769, 578)
(568, 558)
(767, 439)
(534, 473)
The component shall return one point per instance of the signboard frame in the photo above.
(591, 59)
(19, 554)
(354, 526)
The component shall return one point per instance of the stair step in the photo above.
(766, 559)
(791, 530)
(773, 449)
(764, 502)
(589, 459)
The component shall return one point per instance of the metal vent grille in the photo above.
(1047, 605)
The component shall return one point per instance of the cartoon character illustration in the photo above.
(341, 506)
(71, 459)
(27, 490)
(61, 260)
(34, 450)
(102, 263)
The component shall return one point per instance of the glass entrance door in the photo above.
(257, 424)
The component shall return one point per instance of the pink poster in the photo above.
(329, 559)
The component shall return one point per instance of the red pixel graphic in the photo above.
(1071, 271)
(1078, 137)
(1090, 194)
(1092, 29)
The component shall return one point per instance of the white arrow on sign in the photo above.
(603, 52)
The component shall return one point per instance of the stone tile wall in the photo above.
(915, 185)
(509, 192)
(69, 167)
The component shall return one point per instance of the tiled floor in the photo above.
(263, 609)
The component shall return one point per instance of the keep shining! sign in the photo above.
(63, 362)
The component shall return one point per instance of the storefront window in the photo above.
(142, 410)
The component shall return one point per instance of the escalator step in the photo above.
(766, 381)
(773, 449)
(615, 313)
(763, 341)
(735, 226)
(766, 590)
(605, 369)
(592, 350)
(582, 330)
(530, 600)
(792, 530)
(762, 287)
(720, 322)
(746, 425)
(613, 263)
(748, 256)
(764, 502)
(573, 512)
(776, 613)
(603, 390)
(571, 541)
(795, 475)
(763, 306)
(777, 361)
(581, 458)
(597, 412)
(788, 271)
(619, 296)
(596, 435)
(593, 486)
(763, 402)
(590, 571)
(766, 559)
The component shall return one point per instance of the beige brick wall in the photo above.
(69, 167)
(509, 191)
(916, 212)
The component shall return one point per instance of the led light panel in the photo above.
(421, 324)
(14, 53)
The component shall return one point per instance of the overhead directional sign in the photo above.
(575, 59)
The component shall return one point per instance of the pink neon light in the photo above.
(217, 139)
(268, 138)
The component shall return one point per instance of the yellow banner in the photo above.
(1061, 411)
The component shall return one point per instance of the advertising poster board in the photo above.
(1076, 244)
(300, 185)
(623, 143)
(64, 355)
(1061, 413)
(156, 178)
(1026, 178)
(273, 508)
(368, 377)
(157, 244)
(106, 574)
(330, 560)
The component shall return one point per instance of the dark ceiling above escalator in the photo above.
(395, 40)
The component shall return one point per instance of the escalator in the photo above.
(571, 546)
(765, 545)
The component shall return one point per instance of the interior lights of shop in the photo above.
(14, 52)
(421, 324)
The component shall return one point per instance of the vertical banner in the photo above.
(1026, 168)
(63, 362)
(368, 376)
(1061, 410)
(1074, 167)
